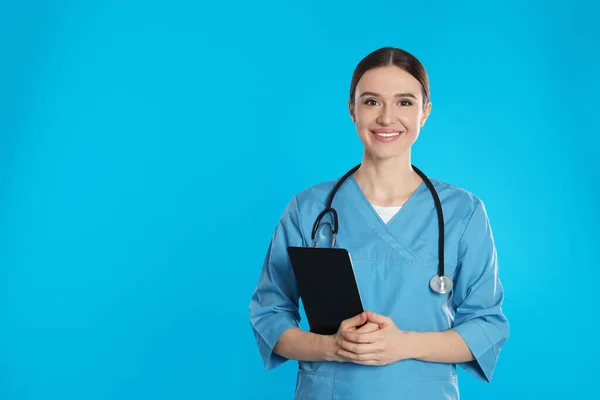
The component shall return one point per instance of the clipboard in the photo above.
(327, 286)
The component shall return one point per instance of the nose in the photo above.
(386, 116)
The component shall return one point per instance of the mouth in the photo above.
(386, 135)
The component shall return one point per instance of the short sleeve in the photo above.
(274, 303)
(478, 295)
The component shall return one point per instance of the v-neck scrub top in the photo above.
(393, 264)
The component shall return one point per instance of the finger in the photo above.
(354, 321)
(360, 348)
(368, 327)
(378, 319)
(369, 337)
(358, 357)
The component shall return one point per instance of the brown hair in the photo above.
(387, 56)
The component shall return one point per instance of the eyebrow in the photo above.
(396, 95)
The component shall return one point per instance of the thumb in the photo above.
(360, 319)
(354, 321)
(378, 319)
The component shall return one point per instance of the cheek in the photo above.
(412, 124)
(364, 117)
(363, 122)
(410, 117)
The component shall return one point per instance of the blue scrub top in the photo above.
(393, 264)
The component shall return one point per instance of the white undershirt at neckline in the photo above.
(386, 213)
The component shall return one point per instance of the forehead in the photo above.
(388, 81)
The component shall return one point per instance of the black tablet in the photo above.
(327, 286)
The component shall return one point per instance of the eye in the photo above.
(405, 102)
(371, 102)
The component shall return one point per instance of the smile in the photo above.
(387, 135)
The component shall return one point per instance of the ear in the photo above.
(351, 110)
(426, 112)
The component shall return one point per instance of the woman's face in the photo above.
(388, 111)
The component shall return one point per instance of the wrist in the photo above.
(414, 344)
(327, 347)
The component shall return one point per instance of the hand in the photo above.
(383, 346)
(350, 325)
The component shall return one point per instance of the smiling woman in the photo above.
(398, 86)
(409, 341)
(393, 109)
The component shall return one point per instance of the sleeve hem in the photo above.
(482, 348)
(272, 329)
(269, 332)
(472, 333)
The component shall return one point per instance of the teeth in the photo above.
(392, 134)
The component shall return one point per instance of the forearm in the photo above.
(298, 344)
(444, 347)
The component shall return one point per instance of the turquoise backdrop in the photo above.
(147, 150)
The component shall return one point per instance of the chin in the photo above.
(380, 154)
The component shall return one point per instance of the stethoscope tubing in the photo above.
(438, 207)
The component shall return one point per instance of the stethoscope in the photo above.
(439, 283)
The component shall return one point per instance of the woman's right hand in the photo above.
(351, 324)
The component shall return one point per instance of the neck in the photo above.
(387, 182)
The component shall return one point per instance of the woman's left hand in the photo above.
(381, 347)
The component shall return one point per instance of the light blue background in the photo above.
(148, 149)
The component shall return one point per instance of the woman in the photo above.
(411, 338)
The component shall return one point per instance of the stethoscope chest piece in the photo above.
(441, 284)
